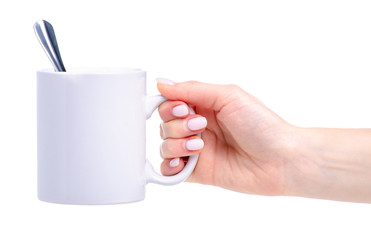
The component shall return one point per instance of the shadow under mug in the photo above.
(91, 137)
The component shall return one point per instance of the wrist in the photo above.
(330, 164)
(304, 167)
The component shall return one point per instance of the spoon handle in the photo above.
(46, 35)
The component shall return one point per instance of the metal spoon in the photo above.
(45, 33)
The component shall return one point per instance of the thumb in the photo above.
(207, 95)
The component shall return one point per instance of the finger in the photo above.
(172, 166)
(181, 128)
(173, 148)
(170, 110)
(211, 96)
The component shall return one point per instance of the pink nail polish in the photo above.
(194, 144)
(198, 123)
(180, 111)
(174, 162)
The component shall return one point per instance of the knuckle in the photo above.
(162, 134)
(190, 83)
(234, 87)
(168, 149)
(163, 168)
(161, 151)
(163, 106)
(234, 92)
(172, 149)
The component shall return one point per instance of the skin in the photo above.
(250, 149)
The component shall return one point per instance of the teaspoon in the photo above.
(46, 35)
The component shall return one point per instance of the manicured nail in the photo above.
(165, 81)
(174, 162)
(180, 111)
(194, 144)
(197, 123)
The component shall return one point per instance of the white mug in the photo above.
(91, 137)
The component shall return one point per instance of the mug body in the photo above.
(91, 136)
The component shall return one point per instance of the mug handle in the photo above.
(152, 103)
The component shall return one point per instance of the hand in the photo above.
(246, 146)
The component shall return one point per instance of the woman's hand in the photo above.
(244, 146)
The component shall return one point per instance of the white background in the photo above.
(309, 61)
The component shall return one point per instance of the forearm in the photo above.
(332, 164)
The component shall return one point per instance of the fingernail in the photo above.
(198, 123)
(194, 144)
(165, 81)
(180, 111)
(174, 162)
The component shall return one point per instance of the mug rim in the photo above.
(92, 71)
